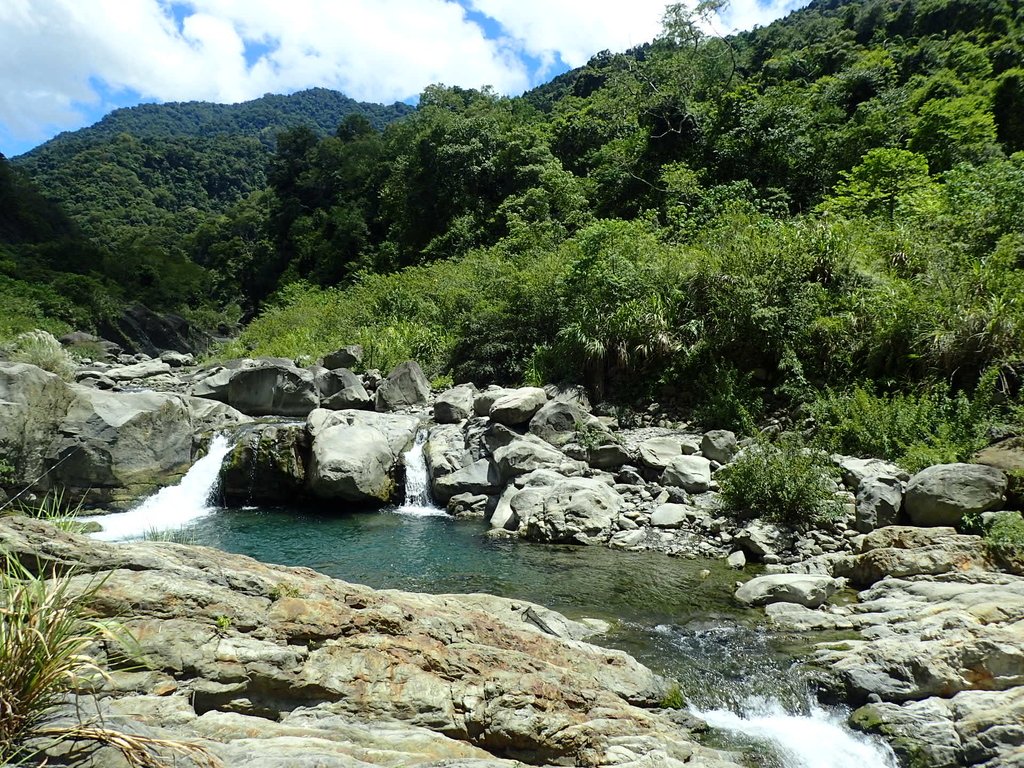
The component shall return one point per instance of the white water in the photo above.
(820, 740)
(172, 507)
(417, 501)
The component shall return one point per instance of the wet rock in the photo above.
(479, 478)
(267, 465)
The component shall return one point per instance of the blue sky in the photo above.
(66, 63)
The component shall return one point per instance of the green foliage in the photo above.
(673, 698)
(42, 349)
(913, 429)
(886, 181)
(175, 535)
(787, 483)
(1006, 535)
(282, 589)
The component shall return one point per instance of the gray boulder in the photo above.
(760, 539)
(445, 451)
(355, 454)
(804, 589)
(32, 404)
(658, 452)
(214, 416)
(404, 387)
(143, 370)
(272, 390)
(484, 400)
(609, 455)
(340, 389)
(719, 445)
(673, 515)
(559, 422)
(346, 357)
(267, 465)
(855, 470)
(691, 473)
(479, 478)
(529, 453)
(573, 510)
(943, 494)
(178, 359)
(455, 404)
(518, 406)
(879, 500)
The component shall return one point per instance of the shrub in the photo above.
(42, 349)
(915, 430)
(786, 483)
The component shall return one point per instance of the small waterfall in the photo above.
(417, 482)
(171, 507)
(818, 740)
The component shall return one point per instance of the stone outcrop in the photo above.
(267, 666)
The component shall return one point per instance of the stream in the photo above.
(675, 615)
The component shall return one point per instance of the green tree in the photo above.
(886, 182)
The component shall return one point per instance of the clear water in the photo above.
(675, 615)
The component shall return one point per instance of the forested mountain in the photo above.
(827, 206)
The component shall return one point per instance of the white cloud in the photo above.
(60, 58)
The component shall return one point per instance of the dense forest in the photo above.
(825, 215)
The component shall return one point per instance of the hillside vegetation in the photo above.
(827, 211)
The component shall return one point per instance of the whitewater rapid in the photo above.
(417, 502)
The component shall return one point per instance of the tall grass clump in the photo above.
(45, 637)
(41, 348)
(787, 483)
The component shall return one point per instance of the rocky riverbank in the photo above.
(270, 666)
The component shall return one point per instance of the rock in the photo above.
(608, 456)
(719, 445)
(950, 554)
(943, 494)
(468, 505)
(484, 400)
(213, 416)
(267, 465)
(77, 337)
(346, 357)
(854, 470)
(138, 371)
(213, 385)
(177, 359)
(560, 422)
(444, 451)
(737, 559)
(760, 539)
(32, 404)
(576, 395)
(879, 500)
(404, 387)
(115, 447)
(517, 406)
(454, 405)
(1007, 455)
(673, 515)
(658, 452)
(804, 589)
(139, 329)
(529, 453)
(355, 454)
(272, 390)
(479, 478)
(573, 510)
(691, 473)
(340, 389)
(347, 676)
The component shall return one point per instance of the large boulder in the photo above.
(355, 454)
(529, 453)
(479, 478)
(559, 422)
(346, 357)
(214, 416)
(807, 590)
(404, 387)
(114, 447)
(139, 329)
(32, 404)
(691, 473)
(273, 390)
(143, 370)
(484, 400)
(569, 510)
(340, 389)
(944, 493)
(518, 406)
(658, 452)
(455, 404)
(719, 445)
(267, 465)
(445, 451)
(879, 500)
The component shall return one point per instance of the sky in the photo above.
(66, 63)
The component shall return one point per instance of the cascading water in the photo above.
(171, 507)
(417, 482)
(741, 687)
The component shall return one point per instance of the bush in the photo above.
(915, 430)
(42, 349)
(786, 483)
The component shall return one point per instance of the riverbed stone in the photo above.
(804, 589)
(404, 387)
(267, 465)
(32, 404)
(573, 510)
(518, 406)
(672, 515)
(347, 357)
(879, 501)
(143, 370)
(719, 445)
(272, 390)
(480, 477)
(560, 422)
(944, 493)
(455, 404)
(339, 388)
(658, 452)
(691, 473)
(528, 453)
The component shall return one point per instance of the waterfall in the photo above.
(818, 740)
(417, 482)
(171, 507)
